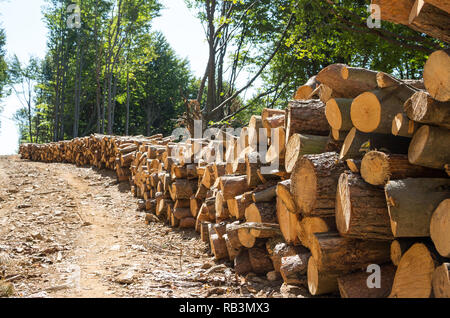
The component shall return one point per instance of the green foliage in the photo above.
(112, 61)
(3, 67)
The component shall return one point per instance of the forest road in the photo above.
(68, 231)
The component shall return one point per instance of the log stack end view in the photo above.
(322, 194)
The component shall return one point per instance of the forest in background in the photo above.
(115, 75)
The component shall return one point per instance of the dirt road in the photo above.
(67, 231)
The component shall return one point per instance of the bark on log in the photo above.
(377, 168)
(403, 126)
(307, 117)
(218, 247)
(314, 182)
(351, 149)
(288, 223)
(301, 144)
(400, 11)
(355, 285)
(337, 254)
(347, 81)
(385, 80)
(242, 265)
(283, 192)
(440, 228)
(232, 186)
(260, 260)
(187, 223)
(232, 252)
(293, 268)
(430, 147)
(441, 281)
(266, 195)
(308, 226)
(183, 189)
(361, 210)
(278, 249)
(304, 91)
(181, 213)
(320, 282)
(411, 203)
(261, 212)
(441, 4)
(422, 108)
(430, 20)
(401, 245)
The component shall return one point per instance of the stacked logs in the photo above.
(426, 16)
(322, 194)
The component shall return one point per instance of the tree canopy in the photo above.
(113, 74)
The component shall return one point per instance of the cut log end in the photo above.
(441, 281)
(320, 283)
(366, 112)
(375, 168)
(436, 74)
(439, 228)
(414, 274)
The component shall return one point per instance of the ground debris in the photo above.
(78, 233)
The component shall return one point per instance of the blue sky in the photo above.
(26, 36)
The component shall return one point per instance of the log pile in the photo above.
(321, 194)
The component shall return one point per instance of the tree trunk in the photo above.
(306, 117)
(288, 223)
(403, 126)
(422, 108)
(346, 81)
(377, 168)
(308, 226)
(301, 144)
(430, 20)
(361, 210)
(293, 268)
(411, 203)
(336, 254)
(430, 147)
(351, 149)
(314, 182)
(127, 119)
(304, 91)
(320, 282)
(374, 111)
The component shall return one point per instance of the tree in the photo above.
(22, 79)
(3, 67)
(231, 24)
